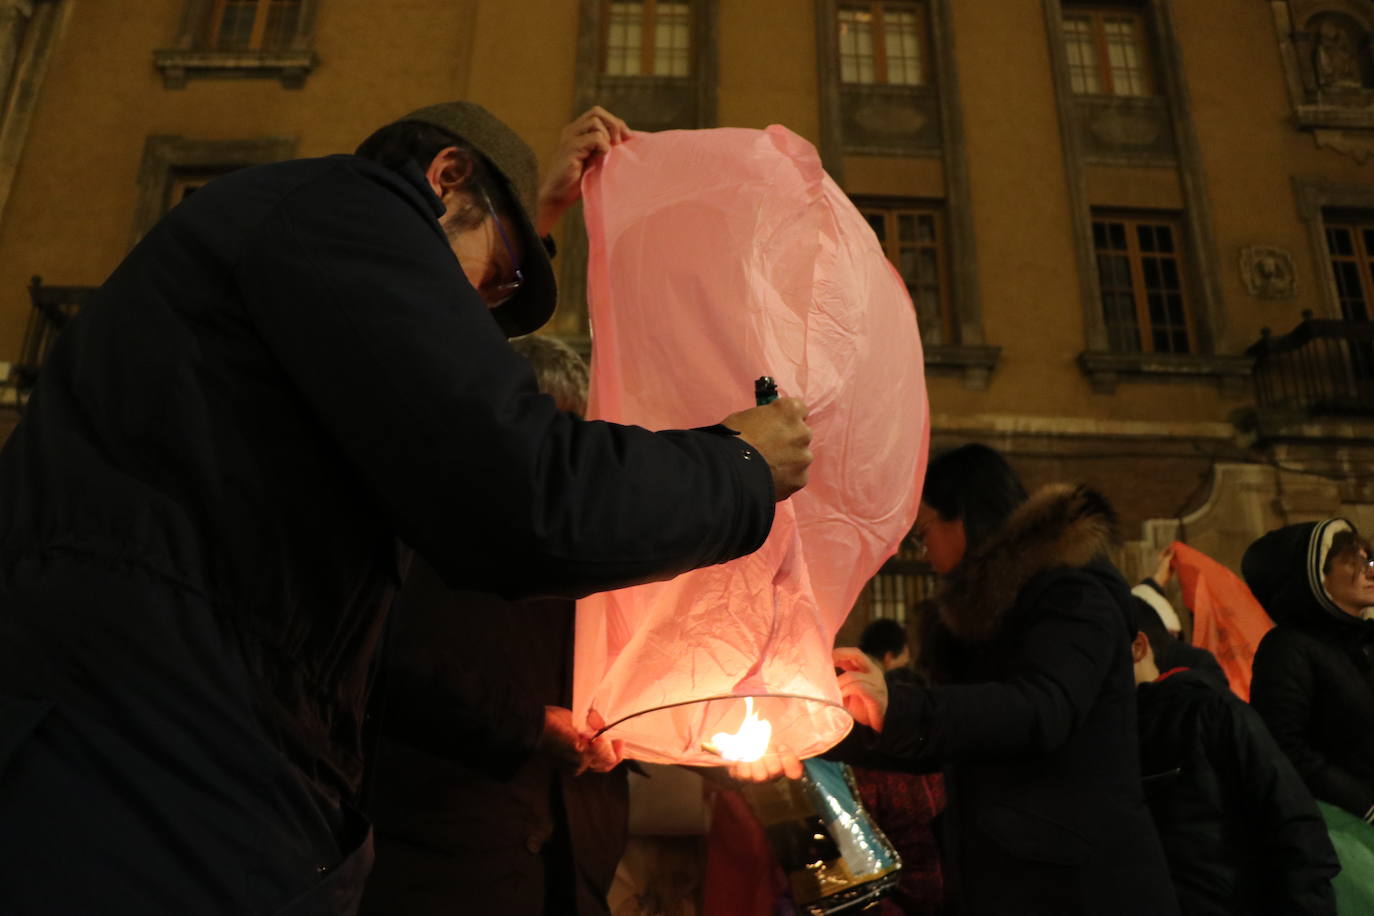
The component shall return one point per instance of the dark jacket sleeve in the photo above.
(1061, 657)
(1284, 826)
(355, 291)
(1282, 691)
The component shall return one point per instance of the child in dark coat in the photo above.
(1240, 830)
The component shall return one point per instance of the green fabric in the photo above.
(1354, 842)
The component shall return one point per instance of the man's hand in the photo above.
(863, 687)
(573, 750)
(779, 433)
(591, 135)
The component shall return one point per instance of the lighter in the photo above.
(765, 390)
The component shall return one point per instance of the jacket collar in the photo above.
(1059, 526)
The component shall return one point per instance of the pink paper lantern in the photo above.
(716, 257)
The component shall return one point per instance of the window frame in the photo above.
(261, 15)
(875, 9)
(891, 209)
(1133, 221)
(192, 54)
(647, 47)
(1106, 82)
(1357, 223)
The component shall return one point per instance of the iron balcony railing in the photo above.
(1322, 368)
(53, 307)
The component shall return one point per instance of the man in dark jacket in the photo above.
(199, 512)
(1240, 830)
(1314, 672)
(474, 807)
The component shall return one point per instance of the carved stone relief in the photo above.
(1358, 145)
(1340, 52)
(1327, 47)
(1124, 129)
(1268, 272)
(883, 121)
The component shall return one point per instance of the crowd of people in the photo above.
(1094, 762)
(291, 398)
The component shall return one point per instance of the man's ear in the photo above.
(1139, 647)
(448, 171)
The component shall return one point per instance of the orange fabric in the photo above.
(1227, 620)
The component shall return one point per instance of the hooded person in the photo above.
(1314, 672)
(299, 367)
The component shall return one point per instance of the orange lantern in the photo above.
(716, 257)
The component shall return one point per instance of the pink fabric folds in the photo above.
(716, 257)
(1227, 619)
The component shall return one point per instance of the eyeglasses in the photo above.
(918, 537)
(499, 294)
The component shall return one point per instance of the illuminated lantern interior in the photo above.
(716, 257)
(749, 742)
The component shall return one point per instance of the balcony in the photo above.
(1315, 382)
(53, 307)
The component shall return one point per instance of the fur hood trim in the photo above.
(1061, 525)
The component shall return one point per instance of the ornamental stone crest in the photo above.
(1268, 272)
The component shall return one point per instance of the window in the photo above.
(1140, 279)
(1106, 52)
(1350, 245)
(904, 581)
(647, 38)
(253, 25)
(175, 167)
(883, 43)
(914, 239)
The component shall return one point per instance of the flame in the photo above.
(750, 742)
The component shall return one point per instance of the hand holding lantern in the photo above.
(863, 687)
(561, 740)
(779, 433)
(581, 142)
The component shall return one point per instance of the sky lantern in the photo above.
(717, 257)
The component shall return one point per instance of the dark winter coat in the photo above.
(199, 515)
(464, 808)
(1313, 675)
(1242, 833)
(1033, 722)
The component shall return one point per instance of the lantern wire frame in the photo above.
(707, 758)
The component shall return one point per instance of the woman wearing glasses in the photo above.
(1314, 672)
(1032, 713)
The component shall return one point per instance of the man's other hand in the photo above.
(779, 433)
(591, 135)
(559, 739)
(573, 750)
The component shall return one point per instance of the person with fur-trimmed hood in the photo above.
(1032, 716)
(1314, 672)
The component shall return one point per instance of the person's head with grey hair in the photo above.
(559, 370)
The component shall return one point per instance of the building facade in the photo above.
(1138, 235)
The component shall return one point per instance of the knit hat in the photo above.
(1159, 606)
(514, 164)
(1284, 570)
